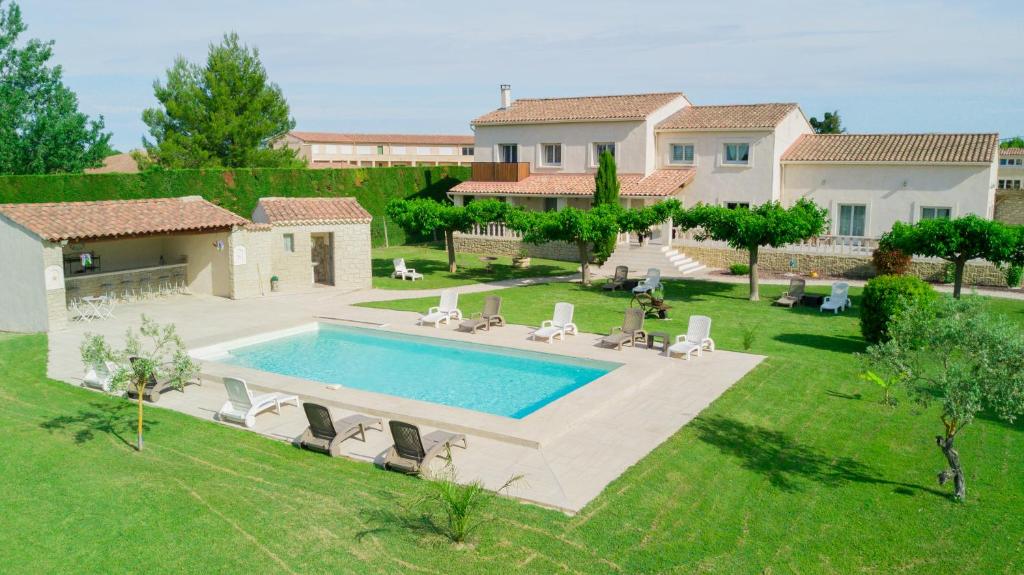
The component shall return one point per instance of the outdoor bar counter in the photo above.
(137, 282)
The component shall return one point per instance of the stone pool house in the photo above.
(543, 153)
(55, 252)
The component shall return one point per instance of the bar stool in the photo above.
(127, 290)
(163, 284)
(178, 278)
(74, 293)
(107, 289)
(143, 287)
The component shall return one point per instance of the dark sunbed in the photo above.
(617, 281)
(795, 293)
(412, 452)
(154, 388)
(632, 330)
(326, 435)
(491, 315)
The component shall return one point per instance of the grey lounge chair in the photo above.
(325, 435)
(412, 452)
(620, 277)
(794, 295)
(632, 330)
(154, 387)
(491, 315)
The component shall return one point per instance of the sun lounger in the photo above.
(154, 387)
(100, 376)
(412, 452)
(559, 325)
(401, 272)
(631, 331)
(650, 283)
(620, 277)
(491, 315)
(243, 406)
(325, 435)
(794, 294)
(839, 299)
(696, 340)
(445, 311)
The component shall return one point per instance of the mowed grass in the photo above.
(797, 468)
(432, 262)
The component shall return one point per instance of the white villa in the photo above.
(542, 154)
(334, 150)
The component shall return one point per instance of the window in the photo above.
(364, 150)
(851, 219)
(380, 150)
(508, 153)
(552, 154)
(738, 205)
(1011, 161)
(289, 243)
(467, 150)
(1009, 184)
(345, 149)
(423, 151)
(331, 149)
(680, 154)
(602, 147)
(398, 150)
(550, 204)
(446, 151)
(936, 213)
(736, 154)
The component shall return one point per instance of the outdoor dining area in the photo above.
(92, 294)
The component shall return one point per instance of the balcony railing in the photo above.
(500, 172)
(828, 245)
(492, 230)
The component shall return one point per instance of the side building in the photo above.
(332, 150)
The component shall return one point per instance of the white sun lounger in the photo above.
(242, 406)
(839, 300)
(401, 272)
(649, 283)
(100, 376)
(696, 339)
(559, 325)
(446, 310)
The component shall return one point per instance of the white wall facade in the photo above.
(23, 294)
(717, 182)
(352, 258)
(891, 193)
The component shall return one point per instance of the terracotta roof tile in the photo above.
(436, 139)
(626, 107)
(739, 116)
(116, 164)
(300, 211)
(1007, 152)
(659, 183)
(902, 148)
(117, 218)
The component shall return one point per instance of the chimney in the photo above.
(506, 96)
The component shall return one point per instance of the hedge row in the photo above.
(239, 190)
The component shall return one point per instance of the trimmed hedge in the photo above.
(239, 190)
(882, 297)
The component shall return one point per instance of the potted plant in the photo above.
(522, 259)
(274, 283)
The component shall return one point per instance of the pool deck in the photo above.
(568, 451)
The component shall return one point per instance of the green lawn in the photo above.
(797, 468)
(432, 262)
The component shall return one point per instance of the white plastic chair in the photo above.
(839, 300)
(696, 339)
(242, 406)
(559, 325)
(401, 272)
(649, 283)
(446, 310)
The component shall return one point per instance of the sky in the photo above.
(431, 67)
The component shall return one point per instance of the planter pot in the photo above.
(521, 263)
(274, 286)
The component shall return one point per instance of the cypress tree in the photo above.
(606, 192)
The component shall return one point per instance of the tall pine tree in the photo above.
(606, 192)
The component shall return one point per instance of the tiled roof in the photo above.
(752, 116)
(116, 164)
(627, 107)
(901, 148)
(1006, 152)
(118, 218)
(301, 211)
(410, 139)
(659, 183)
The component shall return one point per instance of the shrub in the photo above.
(885, 295)
(739, 269)
(1014, 275)
(948, 273)
(890, 261)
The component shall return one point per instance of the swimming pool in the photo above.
(490, 379)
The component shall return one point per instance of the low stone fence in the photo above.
(1010, 207)
(846, 266)
(507, 246)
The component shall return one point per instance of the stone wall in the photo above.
(56, 299)
(1010, 207)
(511, 246)
(353, 267)
(250, 268)
(846, 266)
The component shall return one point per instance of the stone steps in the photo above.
(670, 261)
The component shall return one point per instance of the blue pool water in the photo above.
(490, 379)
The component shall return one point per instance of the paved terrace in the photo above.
(568, 451)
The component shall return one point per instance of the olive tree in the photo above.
(425, 216)
(956, 241)
(768, 224)
(955, 353)
(580, 227)
(155, 352)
